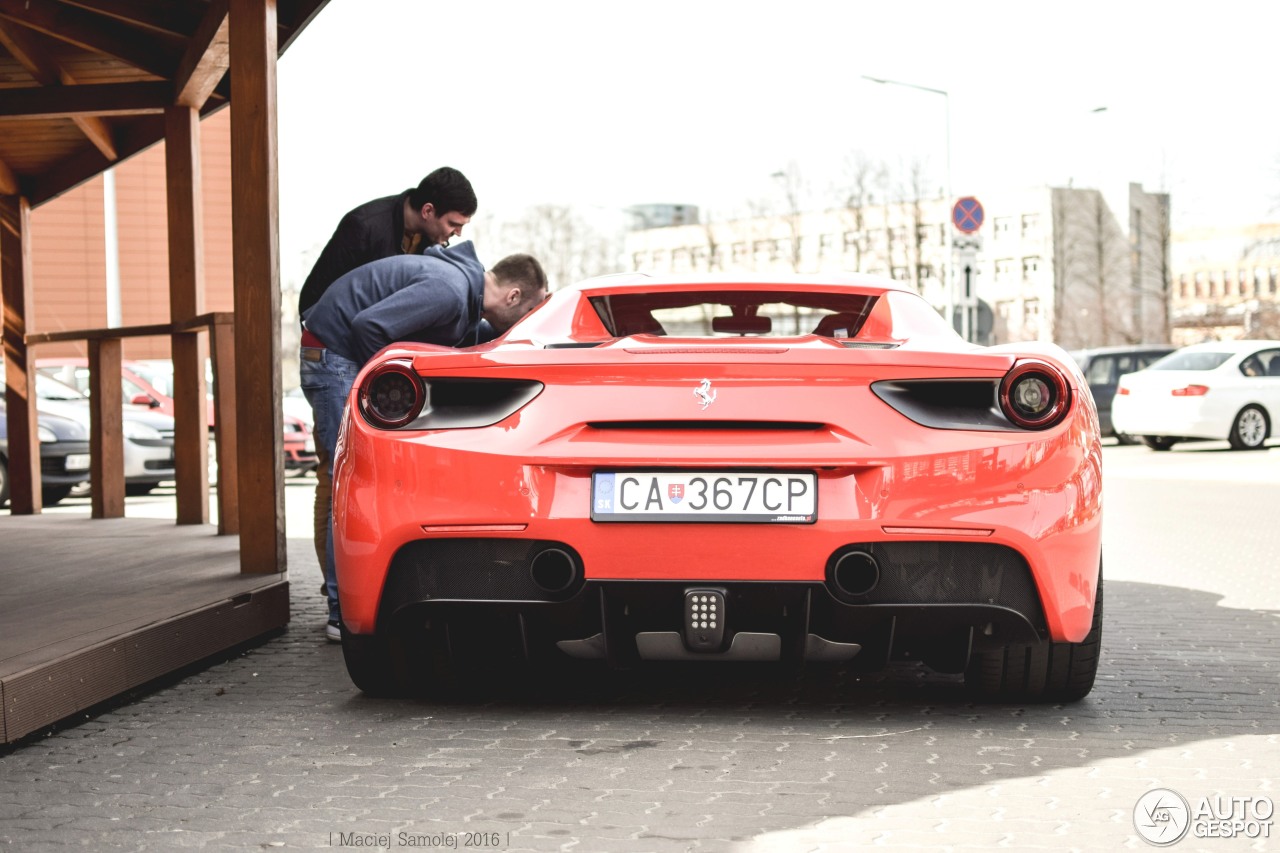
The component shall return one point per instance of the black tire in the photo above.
(370, 666)
(1159, 442)
(4, 482)
(1046, 672)
(1251, 429)
(1125, 438)
(137, 490)
(54, 495)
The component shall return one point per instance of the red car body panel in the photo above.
(881, 476)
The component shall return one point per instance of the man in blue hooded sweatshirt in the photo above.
(438, 297)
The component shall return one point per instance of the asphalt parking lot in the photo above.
(274, 748)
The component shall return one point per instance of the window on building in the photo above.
(1030, 266)
(1030, 225)
(1002, 226)
(924, 271)
(1202, 285)
(852, 241)
(1004, 269)
(902, 274)
(739, 252)
(637, 260)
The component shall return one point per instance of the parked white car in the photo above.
(1224, 389)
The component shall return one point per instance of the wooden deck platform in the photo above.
(90, 608)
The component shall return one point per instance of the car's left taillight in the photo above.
(1035, 395)
(391, 395)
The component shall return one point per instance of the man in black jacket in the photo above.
(402, 224)
(408, 223)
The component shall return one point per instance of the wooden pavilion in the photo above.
(85, 84)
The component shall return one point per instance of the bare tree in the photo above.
(564, 242)
(862, 179)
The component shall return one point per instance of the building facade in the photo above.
(1051, 264)
(75, 270)
(1226, 283)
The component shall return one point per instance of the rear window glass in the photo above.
(734, 313)
(1191, 361)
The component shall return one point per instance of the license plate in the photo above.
(775, 497)
(78, 462)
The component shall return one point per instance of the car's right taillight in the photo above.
(1034, 395)
(392, 395)
(1191, 391)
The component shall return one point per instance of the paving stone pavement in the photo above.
(274, 748)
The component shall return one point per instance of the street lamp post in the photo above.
(947, 284)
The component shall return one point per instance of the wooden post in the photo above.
(106, 434)
(256, 274)
(223, 348)
(186, 300)
(25, 496)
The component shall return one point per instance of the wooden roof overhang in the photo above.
(85, 84)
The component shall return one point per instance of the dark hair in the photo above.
(522, 270)
(446, 189)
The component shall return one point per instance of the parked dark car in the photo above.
(64, 455)
(1103, 367)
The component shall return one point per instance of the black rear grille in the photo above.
(468, 570)
(949, 573)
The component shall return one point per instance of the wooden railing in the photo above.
(191, 448)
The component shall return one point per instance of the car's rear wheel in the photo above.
(1159, 442)
(1047, 672)
(4, 482)
(1250, 429)
(137, 490)
(398, 663)
(369, 663)
(1125, 438)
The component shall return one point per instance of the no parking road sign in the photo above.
(967, 214)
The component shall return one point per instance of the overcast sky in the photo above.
(610, 103)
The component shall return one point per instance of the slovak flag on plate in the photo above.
(675, 492)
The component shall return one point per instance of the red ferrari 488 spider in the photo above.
(723, 469)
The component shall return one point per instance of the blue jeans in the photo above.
(326, 381)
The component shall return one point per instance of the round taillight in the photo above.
(1035, 395)
(392, 395)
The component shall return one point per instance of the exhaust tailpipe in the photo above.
(553, 570)
(856, 573)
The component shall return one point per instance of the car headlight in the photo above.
(46, 435)
(137, 429)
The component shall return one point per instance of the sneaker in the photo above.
(333, 631)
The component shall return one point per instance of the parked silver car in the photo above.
(148, 435)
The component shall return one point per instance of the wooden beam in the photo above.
(19, 372)
(9, 184)
(207, 58)
(131, 136)
(104, 99)
(48, 73)
(186, 300)
(156, 53)
(165, 16)
(106, 429)
(255, 239)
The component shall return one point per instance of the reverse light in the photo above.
(1191, 391)
(392, 395)
(1034, 395)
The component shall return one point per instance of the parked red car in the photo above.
(718, 470)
